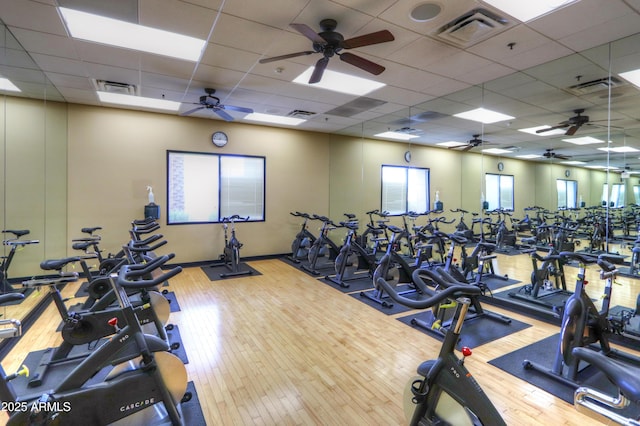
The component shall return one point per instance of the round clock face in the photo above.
(219, 139)
(567, 173)
(407, 156)
(500, 167)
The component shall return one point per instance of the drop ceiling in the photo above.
(526, 70)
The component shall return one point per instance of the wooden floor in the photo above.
(282, 348)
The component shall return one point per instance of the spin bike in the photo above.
(353, 257)
(231, 254)
(323, 251)
(303, 240)
(583, 324)
(15, 244)
(146, 381)
(446, 392)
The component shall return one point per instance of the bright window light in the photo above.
(275, 119)
(585, 140)
(529, 156)
(7, 85)
(595, 166)
(396, 135)
(483, 115)
(550, 132)
(496, 151)
(632, 77)
(340, 82)
(619, 149)
(528, 10)
(573, 162)
(451, 144)
(96, 28)
(139, 101)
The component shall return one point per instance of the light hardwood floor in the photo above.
(282, 348)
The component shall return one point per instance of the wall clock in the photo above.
(500, 167)
(567, 173)
(407, 156)
(219, 139)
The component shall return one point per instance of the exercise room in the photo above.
(327, 212)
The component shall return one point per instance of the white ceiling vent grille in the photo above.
(298, 113)
(472, 27)
(115, 87)
(593, 86)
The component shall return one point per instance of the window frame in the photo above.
(566, 193)
(218, 158)
(499, 191)
(405, 196)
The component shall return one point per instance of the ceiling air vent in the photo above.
(298, 113)
(115, 87)
(472, 27)
(593, 86)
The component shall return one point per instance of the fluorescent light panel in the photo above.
(496, 151)
(274, 119)
(138, 101)
(483, 115)
(99, 29)
(585, 140)
(533, 131)
(528, 10)
(573, 162)
(340, 82)
(450, 144)
(7, 85)
(632, 77)
(529, 156)
(396, 135)
(619, 149)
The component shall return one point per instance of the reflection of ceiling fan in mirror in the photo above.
(550, 153)
(572, 124)
(472, 143)
(211, 102)
(329, 43)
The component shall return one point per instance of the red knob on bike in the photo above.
(466, 351)
(113, 322)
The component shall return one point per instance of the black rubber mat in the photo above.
(390, 306)
(543, 352)
(475, 331)
(191, 410)
(363, 283)
(220, 272)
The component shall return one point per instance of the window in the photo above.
(405, 189)
(605, 194)
(567, 193)
(636, 194)
(617, 195)
(203, 188)
(499, 191)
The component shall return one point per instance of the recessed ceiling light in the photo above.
(529, 156)
(483, 115)
(585, 140)
(340, 82)
(550, 132)
(528, 10)
(275, 119)
(396, 135)
(496, 151)
(595, 166)
(573, 162)
(619, 149)
(99, 29)
(139, 101)
(450, 144)
(7, 85)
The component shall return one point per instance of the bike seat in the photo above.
(81, 245)
(425, 367)
(587, 260)
(10, 297)
(57, 264)
(459, 239)
(17, 232)
(624, 376)
(90, 230)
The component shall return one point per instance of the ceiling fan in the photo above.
(211, 102)
(550, 153)
(472, 143)
(329, 43)
(573, 123)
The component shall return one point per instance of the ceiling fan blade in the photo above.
(316, 76)
(287, 56)
(456, 146)
(362, 63)
(467, 148)
(223, 114)
(191, 111)
(308, 32)
(239, 109)
(548, 129)
(368, 39)
(572, 130)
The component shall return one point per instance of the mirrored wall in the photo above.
(33, 166)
